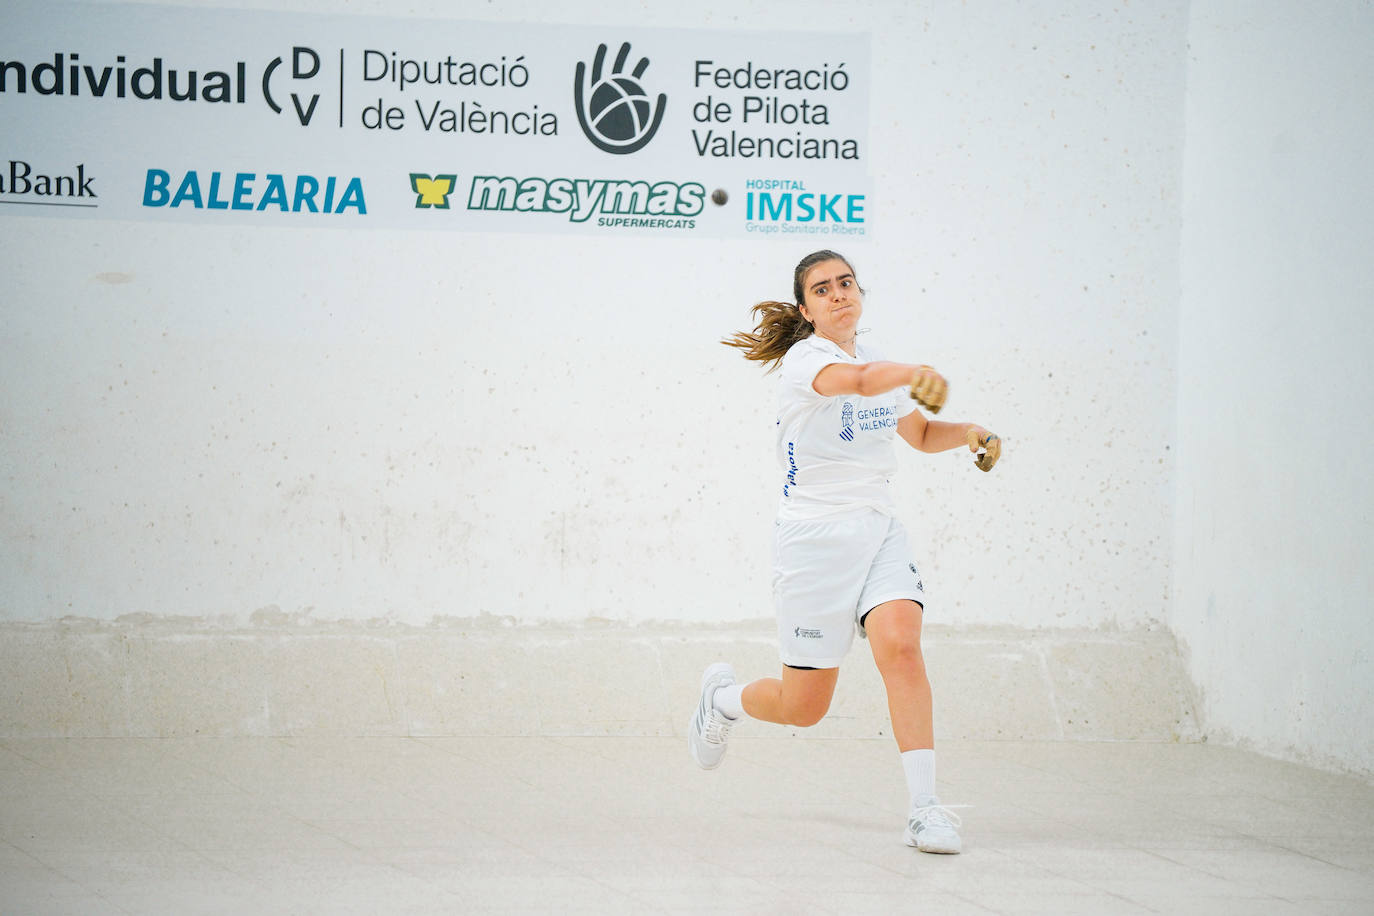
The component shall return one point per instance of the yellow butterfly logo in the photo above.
(432, 191)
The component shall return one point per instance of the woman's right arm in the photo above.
(869, 379)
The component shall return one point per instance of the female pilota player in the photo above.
(841, 560)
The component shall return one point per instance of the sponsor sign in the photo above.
(138, 112)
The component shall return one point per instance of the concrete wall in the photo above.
(1275, 509)
(268, 443)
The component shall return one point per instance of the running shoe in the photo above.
(709, 728)
(931, 827)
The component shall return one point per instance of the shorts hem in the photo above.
(883, 599)
(796, 661)
(894, 596)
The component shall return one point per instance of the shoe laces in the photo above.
(717, 728)
(937, 815)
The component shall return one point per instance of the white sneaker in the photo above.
(931, 827)
(709, 727)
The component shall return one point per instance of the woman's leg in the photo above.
(894, 632)
(801, 697)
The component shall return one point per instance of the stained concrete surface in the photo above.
(616, 824)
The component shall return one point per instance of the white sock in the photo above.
(730, 700)
(920, 772)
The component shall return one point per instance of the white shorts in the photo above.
(828, 574)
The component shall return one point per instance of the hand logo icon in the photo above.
(616, 113)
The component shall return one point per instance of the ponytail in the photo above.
(780, 325)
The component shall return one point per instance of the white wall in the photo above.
(204, 421)
(1275, 502)
(209, 422)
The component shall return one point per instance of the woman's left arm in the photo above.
(933, 436)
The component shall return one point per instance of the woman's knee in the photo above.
(899, 656)
(894, 633)
(806, 696)
(807, 711)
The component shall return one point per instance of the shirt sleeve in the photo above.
(905, 404)
(801, 365)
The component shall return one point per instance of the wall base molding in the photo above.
(176, 678)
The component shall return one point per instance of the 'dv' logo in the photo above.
(301, 58)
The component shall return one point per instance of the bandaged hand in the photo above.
(929, 389)
(985, 445)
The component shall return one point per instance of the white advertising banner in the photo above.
(138, 112)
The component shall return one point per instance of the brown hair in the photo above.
(780, 324)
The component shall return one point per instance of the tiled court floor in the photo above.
(630, 825)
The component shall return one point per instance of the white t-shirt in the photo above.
(836, 452)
